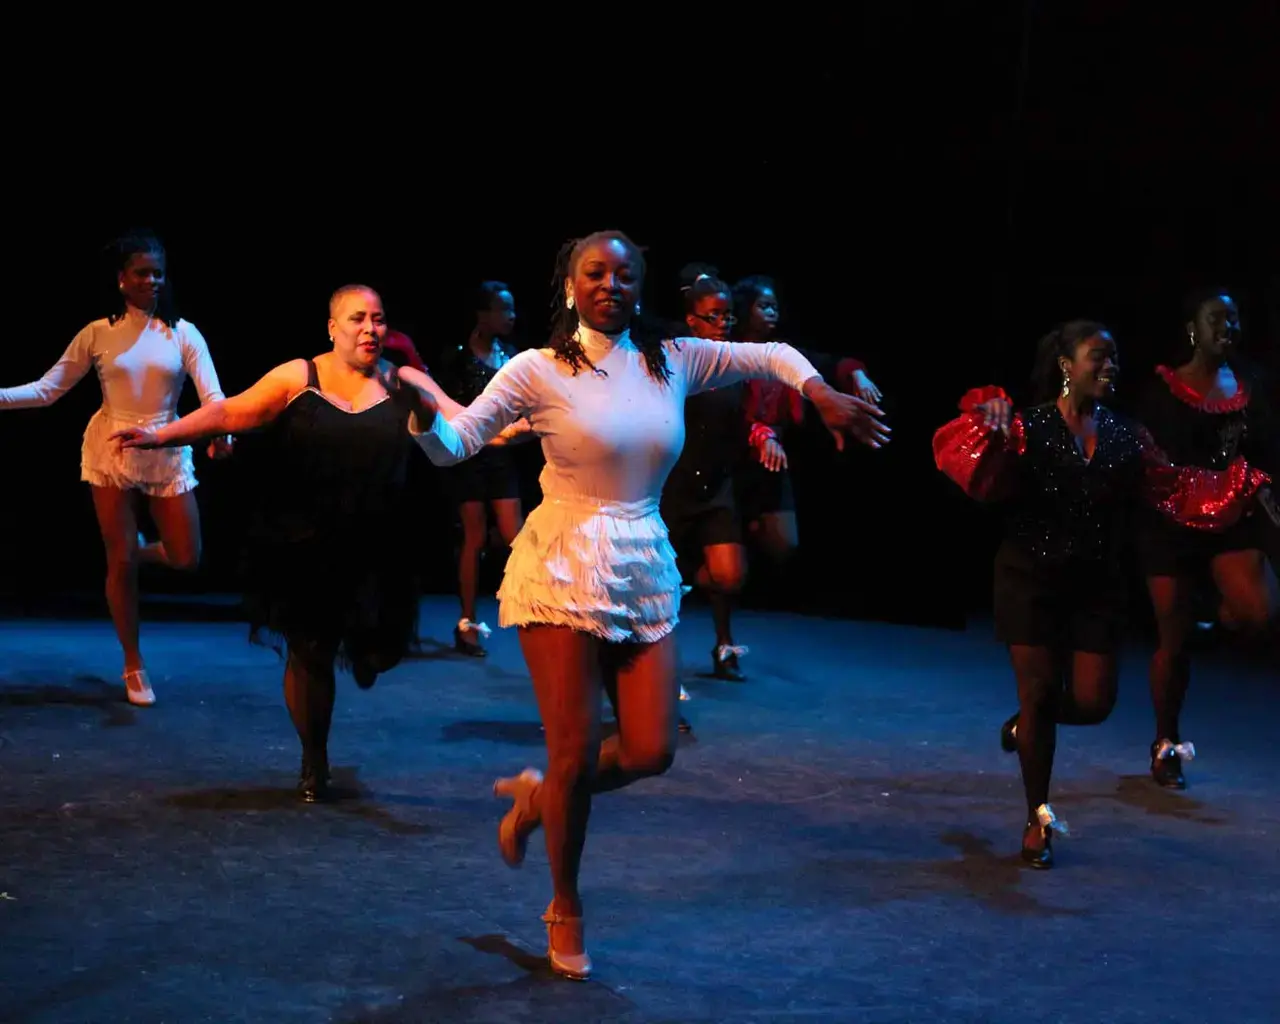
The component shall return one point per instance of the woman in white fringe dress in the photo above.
(591, 581)
(143, 355)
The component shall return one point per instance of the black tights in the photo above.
(309, 691)
(1047, 700)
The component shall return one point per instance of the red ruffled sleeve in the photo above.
(398, 341)
(1201, 499)
(979, 459)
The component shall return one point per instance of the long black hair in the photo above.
(564, 321)
(1060, 343)
(119, 253)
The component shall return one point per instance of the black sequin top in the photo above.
(464, 376)
(1066, 508)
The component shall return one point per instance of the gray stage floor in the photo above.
(837, 841)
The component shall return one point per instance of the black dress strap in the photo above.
(313, 379)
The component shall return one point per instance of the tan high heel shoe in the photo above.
(523, 819)
(574, 966)
(137, 686)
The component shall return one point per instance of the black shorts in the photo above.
(694, 525)
(1170, 550)
(1071, 607)
(762, 492)
(489, 475)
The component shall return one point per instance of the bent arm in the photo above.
(1195, 497)
(65, 374)
(427, 383)
(250, 410)
(978, 459)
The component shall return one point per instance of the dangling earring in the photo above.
(1192, 335)
(1066, 384)
(568, 302)
(637, 309)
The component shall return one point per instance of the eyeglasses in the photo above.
(725, 319)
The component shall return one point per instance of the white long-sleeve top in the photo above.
(141, 362)
(609, 436)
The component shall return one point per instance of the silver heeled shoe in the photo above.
(574, 966)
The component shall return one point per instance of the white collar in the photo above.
(595, 343)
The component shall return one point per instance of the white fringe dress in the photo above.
(142, 364)
(594, 556)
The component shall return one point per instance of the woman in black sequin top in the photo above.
(1212, 413)
(489, 482)
(1070, 472)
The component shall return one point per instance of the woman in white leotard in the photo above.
(143, 355)
(591, 581)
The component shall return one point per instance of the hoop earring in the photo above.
(1066, 384)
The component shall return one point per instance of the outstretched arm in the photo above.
(250, 410)
(510, 395)
(711, 364)
(65, 374)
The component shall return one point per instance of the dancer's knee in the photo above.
(647, 759)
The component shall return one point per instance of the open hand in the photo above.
(772, 456)
(422, 404)
(845, 415)
(220, 447)
(997, 414)
(136, 437)
(865, 388)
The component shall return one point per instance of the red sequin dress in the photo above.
(1223, 450)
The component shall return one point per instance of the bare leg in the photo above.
(178, 520)
(642, 680)
(1248, 587)
(564, 665)
(118, 524)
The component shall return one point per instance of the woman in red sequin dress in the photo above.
(1210, 413)
(1071, 474)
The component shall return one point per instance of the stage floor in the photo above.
(837, 841)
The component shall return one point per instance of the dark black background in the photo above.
(933, 186)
